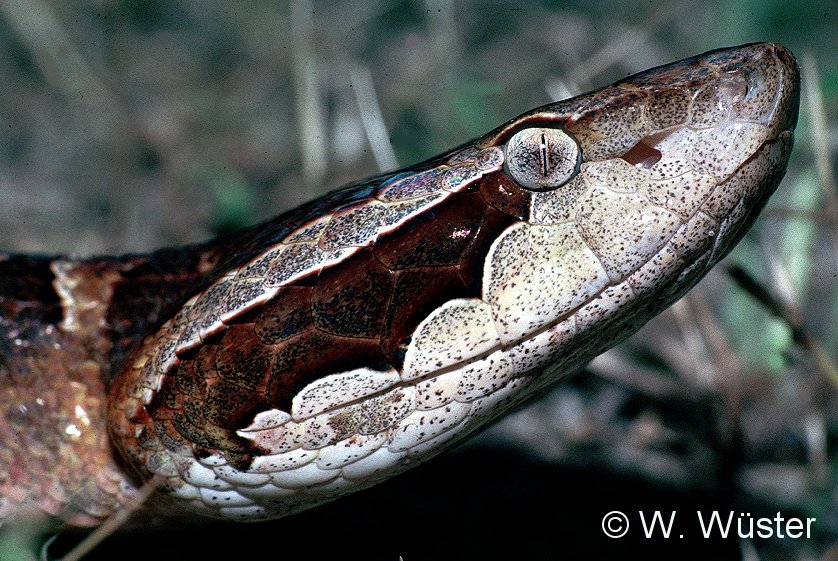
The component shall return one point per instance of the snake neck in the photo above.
(67, 326)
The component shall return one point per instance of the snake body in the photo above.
(347, 340)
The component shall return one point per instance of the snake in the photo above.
(269, 371)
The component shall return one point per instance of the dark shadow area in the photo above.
(513, 507)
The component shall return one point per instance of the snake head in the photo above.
(368, 330)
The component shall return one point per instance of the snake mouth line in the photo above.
(643, 154)
(571, 314)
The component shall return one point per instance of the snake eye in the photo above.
(541, 159)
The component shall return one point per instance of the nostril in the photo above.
(642, 155)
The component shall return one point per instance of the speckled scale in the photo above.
(417, 245)
(611, 124)
(287, 315)
(668, 108)
(353, 302)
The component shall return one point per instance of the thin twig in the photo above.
(790, 316)
(372, 119)
(724, 359)
(310, 107)
(116, 521)
(703, 369)
(62, 62)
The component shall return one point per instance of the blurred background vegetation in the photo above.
(127, 125)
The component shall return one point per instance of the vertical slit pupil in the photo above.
(543, 155)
